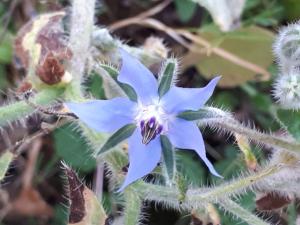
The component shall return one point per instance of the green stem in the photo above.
(21, 109)
(199, 197)
(230, 188)
(225, 121)
(132, 208)
(74, 91)
(82, 22)
(235, 209)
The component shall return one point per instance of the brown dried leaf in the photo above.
(272, 201)
(42, 48)
(30, 203)
(85, 208)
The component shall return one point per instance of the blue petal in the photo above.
(104, 115)
(179, 99)
(142, 158)
(135, 74)
(185, 134)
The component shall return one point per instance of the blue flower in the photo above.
(152, 115)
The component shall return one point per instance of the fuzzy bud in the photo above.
(156, 46)
(287, 48)
(286, 90)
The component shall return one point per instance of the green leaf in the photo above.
(6, 49)
(129, 91)
(230, 166)
(132, 208)
(5, 159)
(291, 120)
(190, 166)
(167, 75)
(252, 44)
(191, 115)
(185, 9)
(72, 148)
(291, 9)
(225, 99)
(119, 136)
(95, 86)
(3, 78)
(168, 157)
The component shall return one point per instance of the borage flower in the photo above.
(152, 115)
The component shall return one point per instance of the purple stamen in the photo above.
(152, 122)
(142, 124)
(159, 129)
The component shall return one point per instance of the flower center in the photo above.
(152, 120)
(150, 129)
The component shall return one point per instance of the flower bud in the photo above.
(287, 90)
(287, 48)
(156, 46)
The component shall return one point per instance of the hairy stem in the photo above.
(132, 209)
(235, 209)
(199, 197)
(232, 187)
(224, 121)
(82, 21)
(22, 109)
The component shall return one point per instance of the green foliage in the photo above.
(120, 135)
(231, 165)
(169, 160)
(264, 13)
(226, 100)
(253, 44)
(5, 160)
(167, 76)
(3, 78)
(185, 9)
(291, 120)
(291, 9)
(125, 87)
(191, 115)
(73, 149)
(95, 86)
(6, 49)
(189, 165)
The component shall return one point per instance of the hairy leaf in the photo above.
(252, 44)
(113, 72)
(5, 159)
(119, 136)
(168, 157)
(73, 149)
(166, 77)
(291, 120)
(185, 9)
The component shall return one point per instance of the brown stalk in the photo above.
(178, 34)
(151, 12)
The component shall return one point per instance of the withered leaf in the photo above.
(85, 208)
(272, 201)
(41, 46)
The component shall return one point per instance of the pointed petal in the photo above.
(185, 134)
(104, 115)
(179, 99)
(142, 158)
(135, 74)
